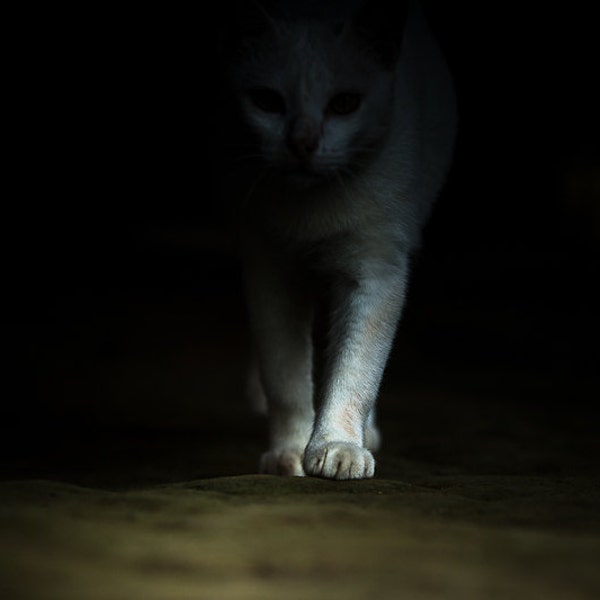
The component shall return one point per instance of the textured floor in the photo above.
(258, 537)
(487, 486)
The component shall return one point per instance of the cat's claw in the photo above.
(339, 460)
(286, 462)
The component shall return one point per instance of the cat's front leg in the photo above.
(281, 316)
(365, 315)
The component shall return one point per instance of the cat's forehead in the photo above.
(306, 56)
(311, 54)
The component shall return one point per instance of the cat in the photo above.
(347, 123)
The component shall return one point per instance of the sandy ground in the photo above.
(260, 537)
(486, 486)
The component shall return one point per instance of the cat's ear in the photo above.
(242, 20)
(379, 25)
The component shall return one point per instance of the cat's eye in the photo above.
(344, 104)
(267, 100)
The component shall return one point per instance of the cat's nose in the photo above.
(304, 139)
(304, 146)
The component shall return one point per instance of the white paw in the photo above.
(287, 462)
(339, 460)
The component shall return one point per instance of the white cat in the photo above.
(349, 127)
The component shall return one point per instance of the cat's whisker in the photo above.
(343, 184)
(259, 178)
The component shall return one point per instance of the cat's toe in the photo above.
(286, 462)
(339, 460)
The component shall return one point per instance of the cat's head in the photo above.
(315, 92)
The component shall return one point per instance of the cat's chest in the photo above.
(328, 238)
(316, 216)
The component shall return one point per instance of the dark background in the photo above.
(112, 238)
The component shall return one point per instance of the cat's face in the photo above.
(317, 104)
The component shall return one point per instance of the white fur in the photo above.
(347, 241)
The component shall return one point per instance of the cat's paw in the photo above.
(286, 462)
(339, 460)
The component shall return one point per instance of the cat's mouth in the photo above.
(305, 177)
(306, 174)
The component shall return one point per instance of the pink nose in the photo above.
(304, 138)
(304, 146)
